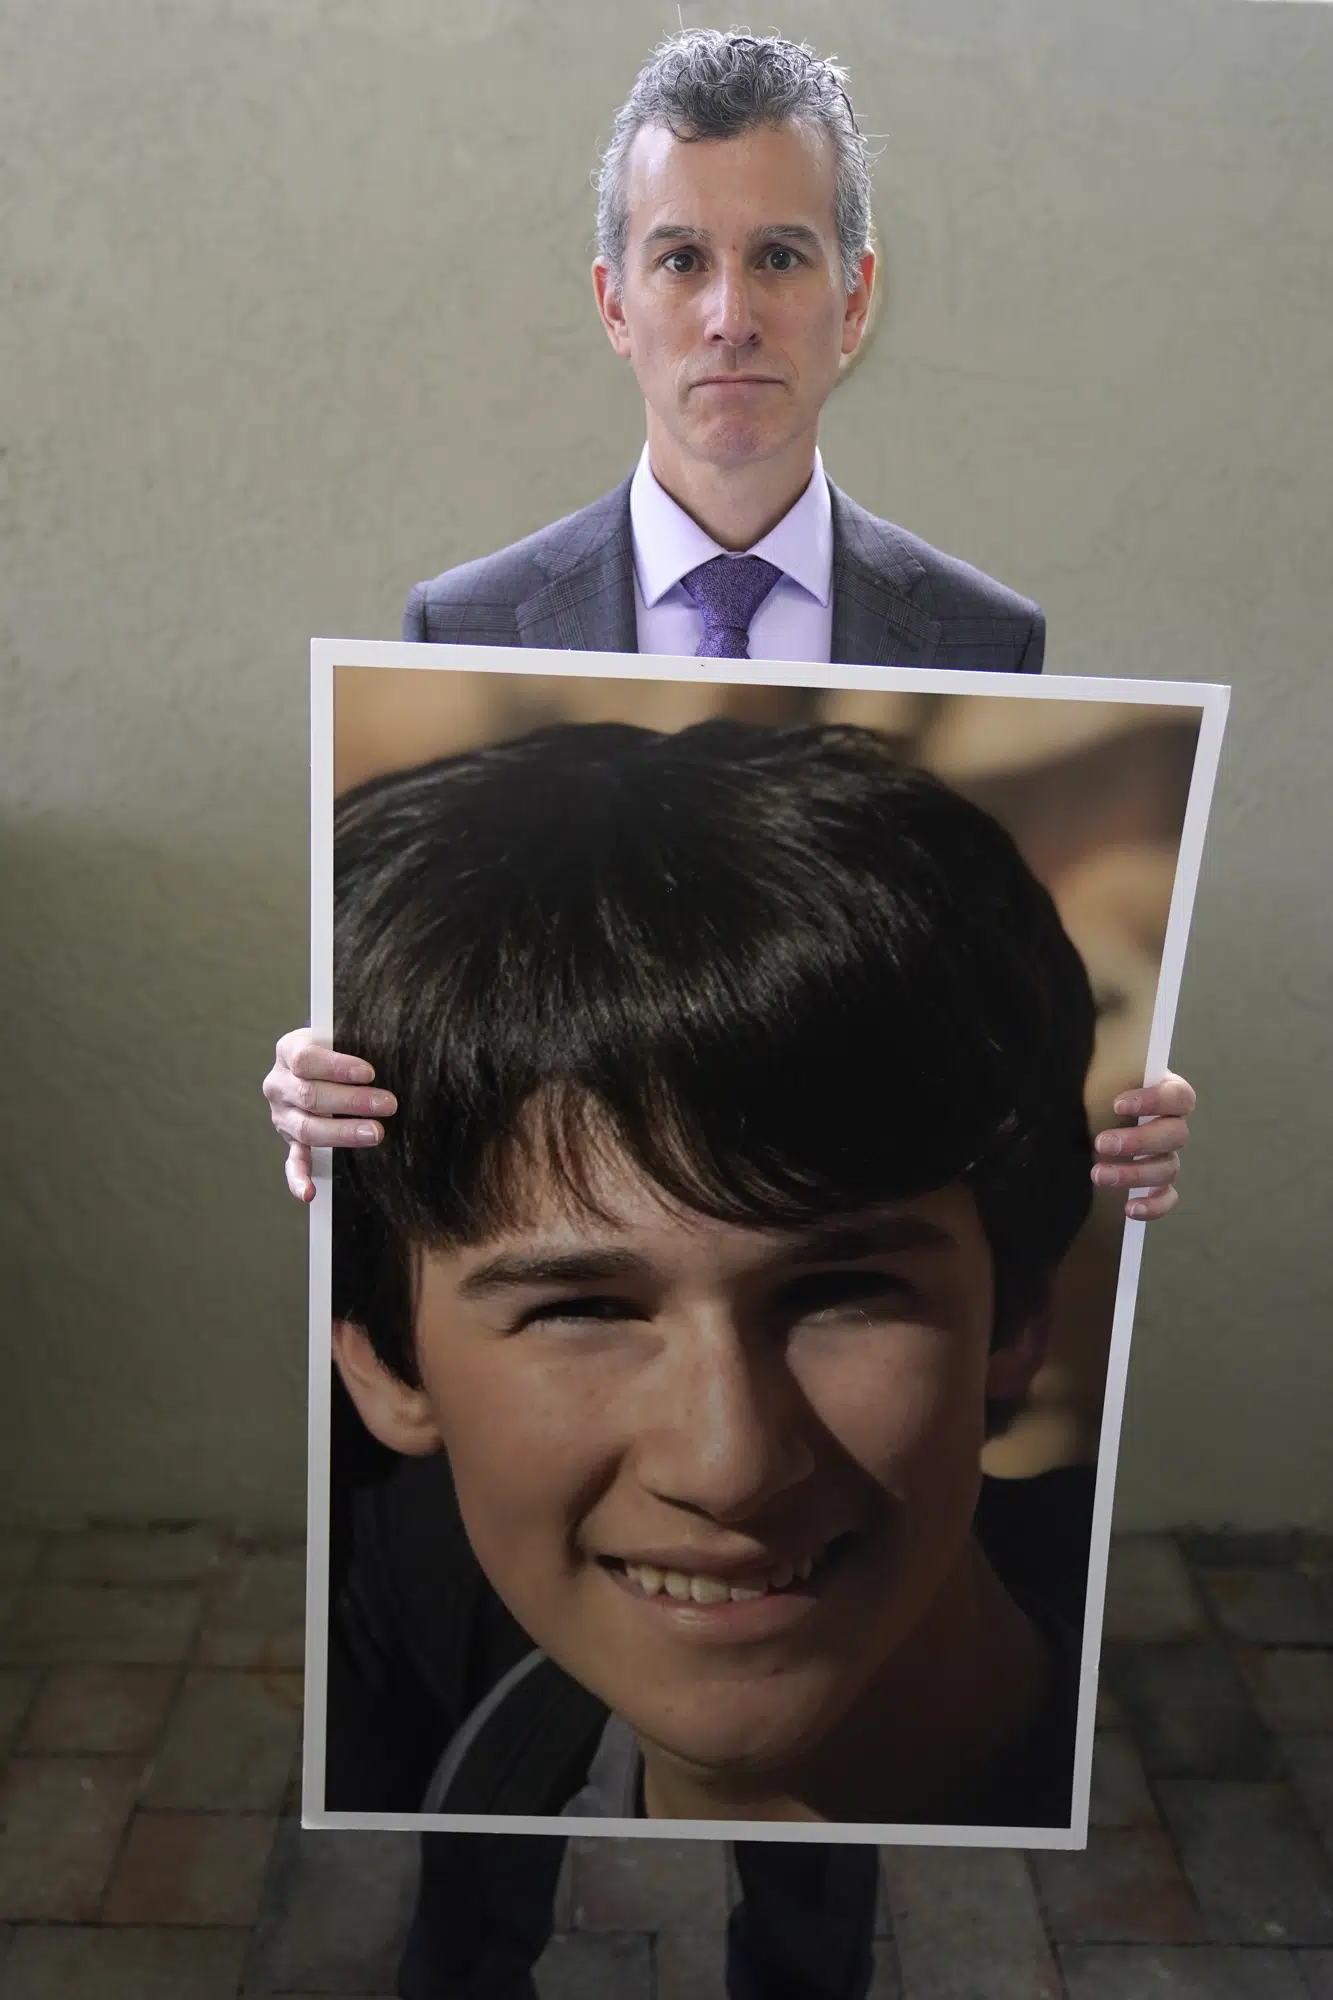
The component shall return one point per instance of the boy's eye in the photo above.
(824, 1294)
(594, 1309)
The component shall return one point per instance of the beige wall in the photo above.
(299, 314)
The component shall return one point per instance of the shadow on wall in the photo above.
(152, 1276)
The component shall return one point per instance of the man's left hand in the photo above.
(1147, 1156)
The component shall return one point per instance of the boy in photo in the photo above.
(740, 1133)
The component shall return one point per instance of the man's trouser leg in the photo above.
(805, 1927)
(485, 1912)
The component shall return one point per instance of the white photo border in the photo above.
(326, 655)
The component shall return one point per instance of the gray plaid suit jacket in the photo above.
(897, 602)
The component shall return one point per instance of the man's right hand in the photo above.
(320, 1098)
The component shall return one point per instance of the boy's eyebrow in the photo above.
(573, 1267)
(825, 1243)
(847, 1242)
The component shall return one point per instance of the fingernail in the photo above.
(381, 1102)
(1123, 1106)
(1103, 1176)
(1139, 1210)
(368, 1134)
(1108, 1142)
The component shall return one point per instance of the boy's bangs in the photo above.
(763, 1116)
(573, 1150)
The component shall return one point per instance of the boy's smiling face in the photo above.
(645, 1390)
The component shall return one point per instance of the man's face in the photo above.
(733, 308)
(653, 1418)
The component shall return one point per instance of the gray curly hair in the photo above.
(712, 83)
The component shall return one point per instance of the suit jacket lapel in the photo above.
(874, 622)
(587, 604)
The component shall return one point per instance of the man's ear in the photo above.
(394, 1413)
(609, 307)
(856, 311)
(1015, 1361)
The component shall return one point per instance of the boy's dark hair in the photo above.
(790, 976)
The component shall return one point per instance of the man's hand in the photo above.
(1151, 1151)
(319, 1098)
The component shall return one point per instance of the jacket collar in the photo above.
(587, 601)
(875, 574)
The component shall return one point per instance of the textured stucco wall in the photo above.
(299, 313)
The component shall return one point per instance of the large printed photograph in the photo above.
(717, 1351)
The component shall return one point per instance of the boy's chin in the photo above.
(733, 1755)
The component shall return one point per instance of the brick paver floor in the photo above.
(150, 1700)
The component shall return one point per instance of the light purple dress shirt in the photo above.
(795, 620)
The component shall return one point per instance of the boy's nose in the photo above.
(723, 1432)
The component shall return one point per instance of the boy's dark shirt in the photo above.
(417, 1636)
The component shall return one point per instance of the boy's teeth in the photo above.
(711, 1589)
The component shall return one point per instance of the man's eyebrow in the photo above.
(684, 232)
(848, 1242)
(510, 1272)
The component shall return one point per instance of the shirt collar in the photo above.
(668, 544)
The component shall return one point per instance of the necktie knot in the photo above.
(729, 590)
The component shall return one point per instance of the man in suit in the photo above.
(886, 597)
(734, 274)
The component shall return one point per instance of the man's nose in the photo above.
(723, 1427)
(732, 316)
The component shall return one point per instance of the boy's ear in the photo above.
(1015, 1361)
(393, 1412)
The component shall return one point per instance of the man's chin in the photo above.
(740, 444)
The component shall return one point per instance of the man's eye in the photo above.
(781, 250)
(670, 261)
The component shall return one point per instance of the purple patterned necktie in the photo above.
(729, 590)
